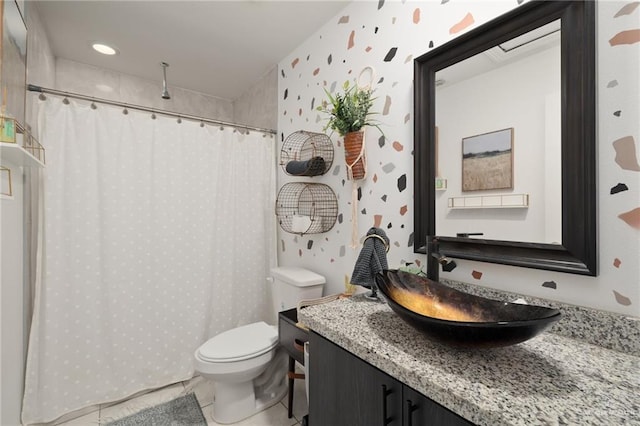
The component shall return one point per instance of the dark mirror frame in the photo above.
(578, 252)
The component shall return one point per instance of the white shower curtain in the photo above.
(157, 235)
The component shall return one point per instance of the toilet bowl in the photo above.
(246, 368)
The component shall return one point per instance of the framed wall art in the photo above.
(6, 188)
(487, 161)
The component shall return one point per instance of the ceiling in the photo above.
(516, 49)
(221, 48)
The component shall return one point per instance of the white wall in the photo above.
(15, 292)
(512, 96)
(13, 343)
(364, 34)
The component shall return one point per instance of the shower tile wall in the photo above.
(41, 64)
(257, 106)
(388, 36)
(102, 83)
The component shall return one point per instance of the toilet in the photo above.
(247, 368)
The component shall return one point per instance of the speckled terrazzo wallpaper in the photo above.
(388, 36)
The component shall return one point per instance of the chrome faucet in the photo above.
(435, 260)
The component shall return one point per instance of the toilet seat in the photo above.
(238, 344)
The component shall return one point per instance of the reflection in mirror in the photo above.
(13, 62)
(505, 188)
(531, 219)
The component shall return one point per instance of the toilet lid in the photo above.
(240, 343)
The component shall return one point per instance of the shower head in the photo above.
(165, 92)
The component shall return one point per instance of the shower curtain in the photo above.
(157, 235)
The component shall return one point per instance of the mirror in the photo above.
(499, 167)
(529, 232)
(13, 63)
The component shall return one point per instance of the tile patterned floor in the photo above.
(274, 416)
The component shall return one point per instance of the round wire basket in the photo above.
(306, 154)
(306, 208)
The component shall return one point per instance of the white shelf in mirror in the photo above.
(15, 154)
(494, 201)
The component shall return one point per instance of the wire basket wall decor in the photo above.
(306, 154)
(33, 147)
(12, 131)
(306, 208)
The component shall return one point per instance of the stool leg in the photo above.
(292, 369)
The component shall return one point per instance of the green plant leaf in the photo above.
(349, 111)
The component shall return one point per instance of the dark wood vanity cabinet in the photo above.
(347, 391)
(418, 410)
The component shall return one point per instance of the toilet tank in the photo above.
(292, 284)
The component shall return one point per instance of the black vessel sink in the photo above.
(460, 319)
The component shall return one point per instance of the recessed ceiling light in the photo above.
(104, 49)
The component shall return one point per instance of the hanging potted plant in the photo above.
(349, 113)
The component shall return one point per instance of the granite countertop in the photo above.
(548, 380)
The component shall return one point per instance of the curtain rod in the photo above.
(39, 89)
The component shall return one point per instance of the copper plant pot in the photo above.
(355, 155)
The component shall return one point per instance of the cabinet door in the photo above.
(346, 391)
(418, 410)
